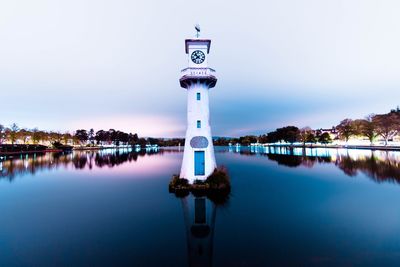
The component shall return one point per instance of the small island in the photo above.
(217, 186)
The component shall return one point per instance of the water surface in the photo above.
(313, 207)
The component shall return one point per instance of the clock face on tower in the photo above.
(198, 57)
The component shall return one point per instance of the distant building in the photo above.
(331, 131)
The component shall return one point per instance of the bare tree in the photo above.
(346, 129)
(13, 133)
(82, 136)
(387, 125)
(366, 127)
(91, 136)
(24, 135)
(304, 134)
(66, 137)
(2, 133)
(35, 135)
(54, 137)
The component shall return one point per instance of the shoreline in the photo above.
(386, 148)
(8, 153)
(28, 152)
(363, 147)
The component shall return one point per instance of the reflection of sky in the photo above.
(306, 216)
(380, 166)
(110, 164)
(354, 154)
(145, 167)
(116, 63)
(276, 216)
(86, 164)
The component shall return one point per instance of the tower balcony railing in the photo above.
(194, 75)
(198, 72)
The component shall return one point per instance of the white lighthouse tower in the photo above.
(198, 158)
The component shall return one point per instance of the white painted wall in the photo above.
(197, 110)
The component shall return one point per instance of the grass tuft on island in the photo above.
(216, 187)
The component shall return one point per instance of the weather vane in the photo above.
(197, 27)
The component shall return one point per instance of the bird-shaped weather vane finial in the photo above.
(197, 27)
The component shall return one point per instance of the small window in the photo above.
(198, 96)
(199, 124)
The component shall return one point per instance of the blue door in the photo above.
(199, 163)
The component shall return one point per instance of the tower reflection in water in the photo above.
(199, 214)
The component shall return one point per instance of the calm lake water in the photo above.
(313, 207)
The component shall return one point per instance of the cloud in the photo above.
(118, 63)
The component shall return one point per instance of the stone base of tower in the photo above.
(216, 187)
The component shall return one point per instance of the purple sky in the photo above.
(115, 64)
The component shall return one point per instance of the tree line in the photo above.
(386, 126)
(287, 134)
(117, 138)
(14, 134)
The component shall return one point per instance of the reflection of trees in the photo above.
(377, 170)
(346, 164)
(79, 160)
(379, 166)
(295, 161)
(287, 160)
(30, 164)
(387, 170)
